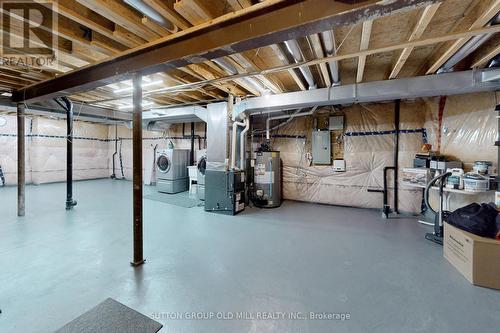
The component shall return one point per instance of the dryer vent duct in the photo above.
(158, 126)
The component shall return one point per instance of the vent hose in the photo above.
(430, 184)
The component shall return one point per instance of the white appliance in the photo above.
(201, 166)
(172, 173)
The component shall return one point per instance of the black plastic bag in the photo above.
(478, 219)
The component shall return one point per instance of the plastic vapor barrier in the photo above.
(469, 130)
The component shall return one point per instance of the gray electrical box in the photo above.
(321, 147)
(336, 123)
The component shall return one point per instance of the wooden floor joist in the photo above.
(168, 13)
(482, 20)
(417, 32)
(365, 41)
(483, 60)
(104, 33)
(121, 15)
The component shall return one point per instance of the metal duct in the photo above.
(468, 47)
(331, 50)
(218, 140)
(226, 65)
(495, 62)
(150, 12)
(158, 126)
(294, 49)
(406, 88)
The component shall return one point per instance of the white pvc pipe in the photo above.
(242, 143)
(233, 143)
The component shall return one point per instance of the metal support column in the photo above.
(70, 203)
(20, 160)
(137, 171)
(192, 157)
(397, 109)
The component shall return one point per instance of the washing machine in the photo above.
(201, 166)
(172, 173)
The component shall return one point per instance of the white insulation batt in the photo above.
(468, 132)
(46, 150)
(152, 142)
(93, 149)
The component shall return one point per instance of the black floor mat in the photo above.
(111, 316)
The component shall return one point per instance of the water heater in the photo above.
(267, 179)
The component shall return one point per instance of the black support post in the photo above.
(192, 144)
(20, 161)
(70, 203)
(497, 143)
(137, 171)
(397, 109)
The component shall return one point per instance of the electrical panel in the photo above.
(321, 147)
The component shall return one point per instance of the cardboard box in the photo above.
(477, 258)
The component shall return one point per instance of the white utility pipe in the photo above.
(289, 116)
(242, 143)
(233, 141)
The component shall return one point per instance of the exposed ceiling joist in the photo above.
(417, 32)
(193, 11)
(365, 41)
(318, 52)
(377, 91)
(482, 61)
(279, 53)
(121, 15)
(163, 8)
(482, 20)
(289, 67)
(239, 4)
(260, 25)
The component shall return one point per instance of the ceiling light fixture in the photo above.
(144, 85)
(131, 106)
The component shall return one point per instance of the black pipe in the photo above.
(205, 135)
(192, 144)
(497, 143)
(68, 105)
(120, 156)
(396, 153)
(113, 175)
(437, 236)
(386, 209)
(21, 160)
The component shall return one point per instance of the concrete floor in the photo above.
(300, 257)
